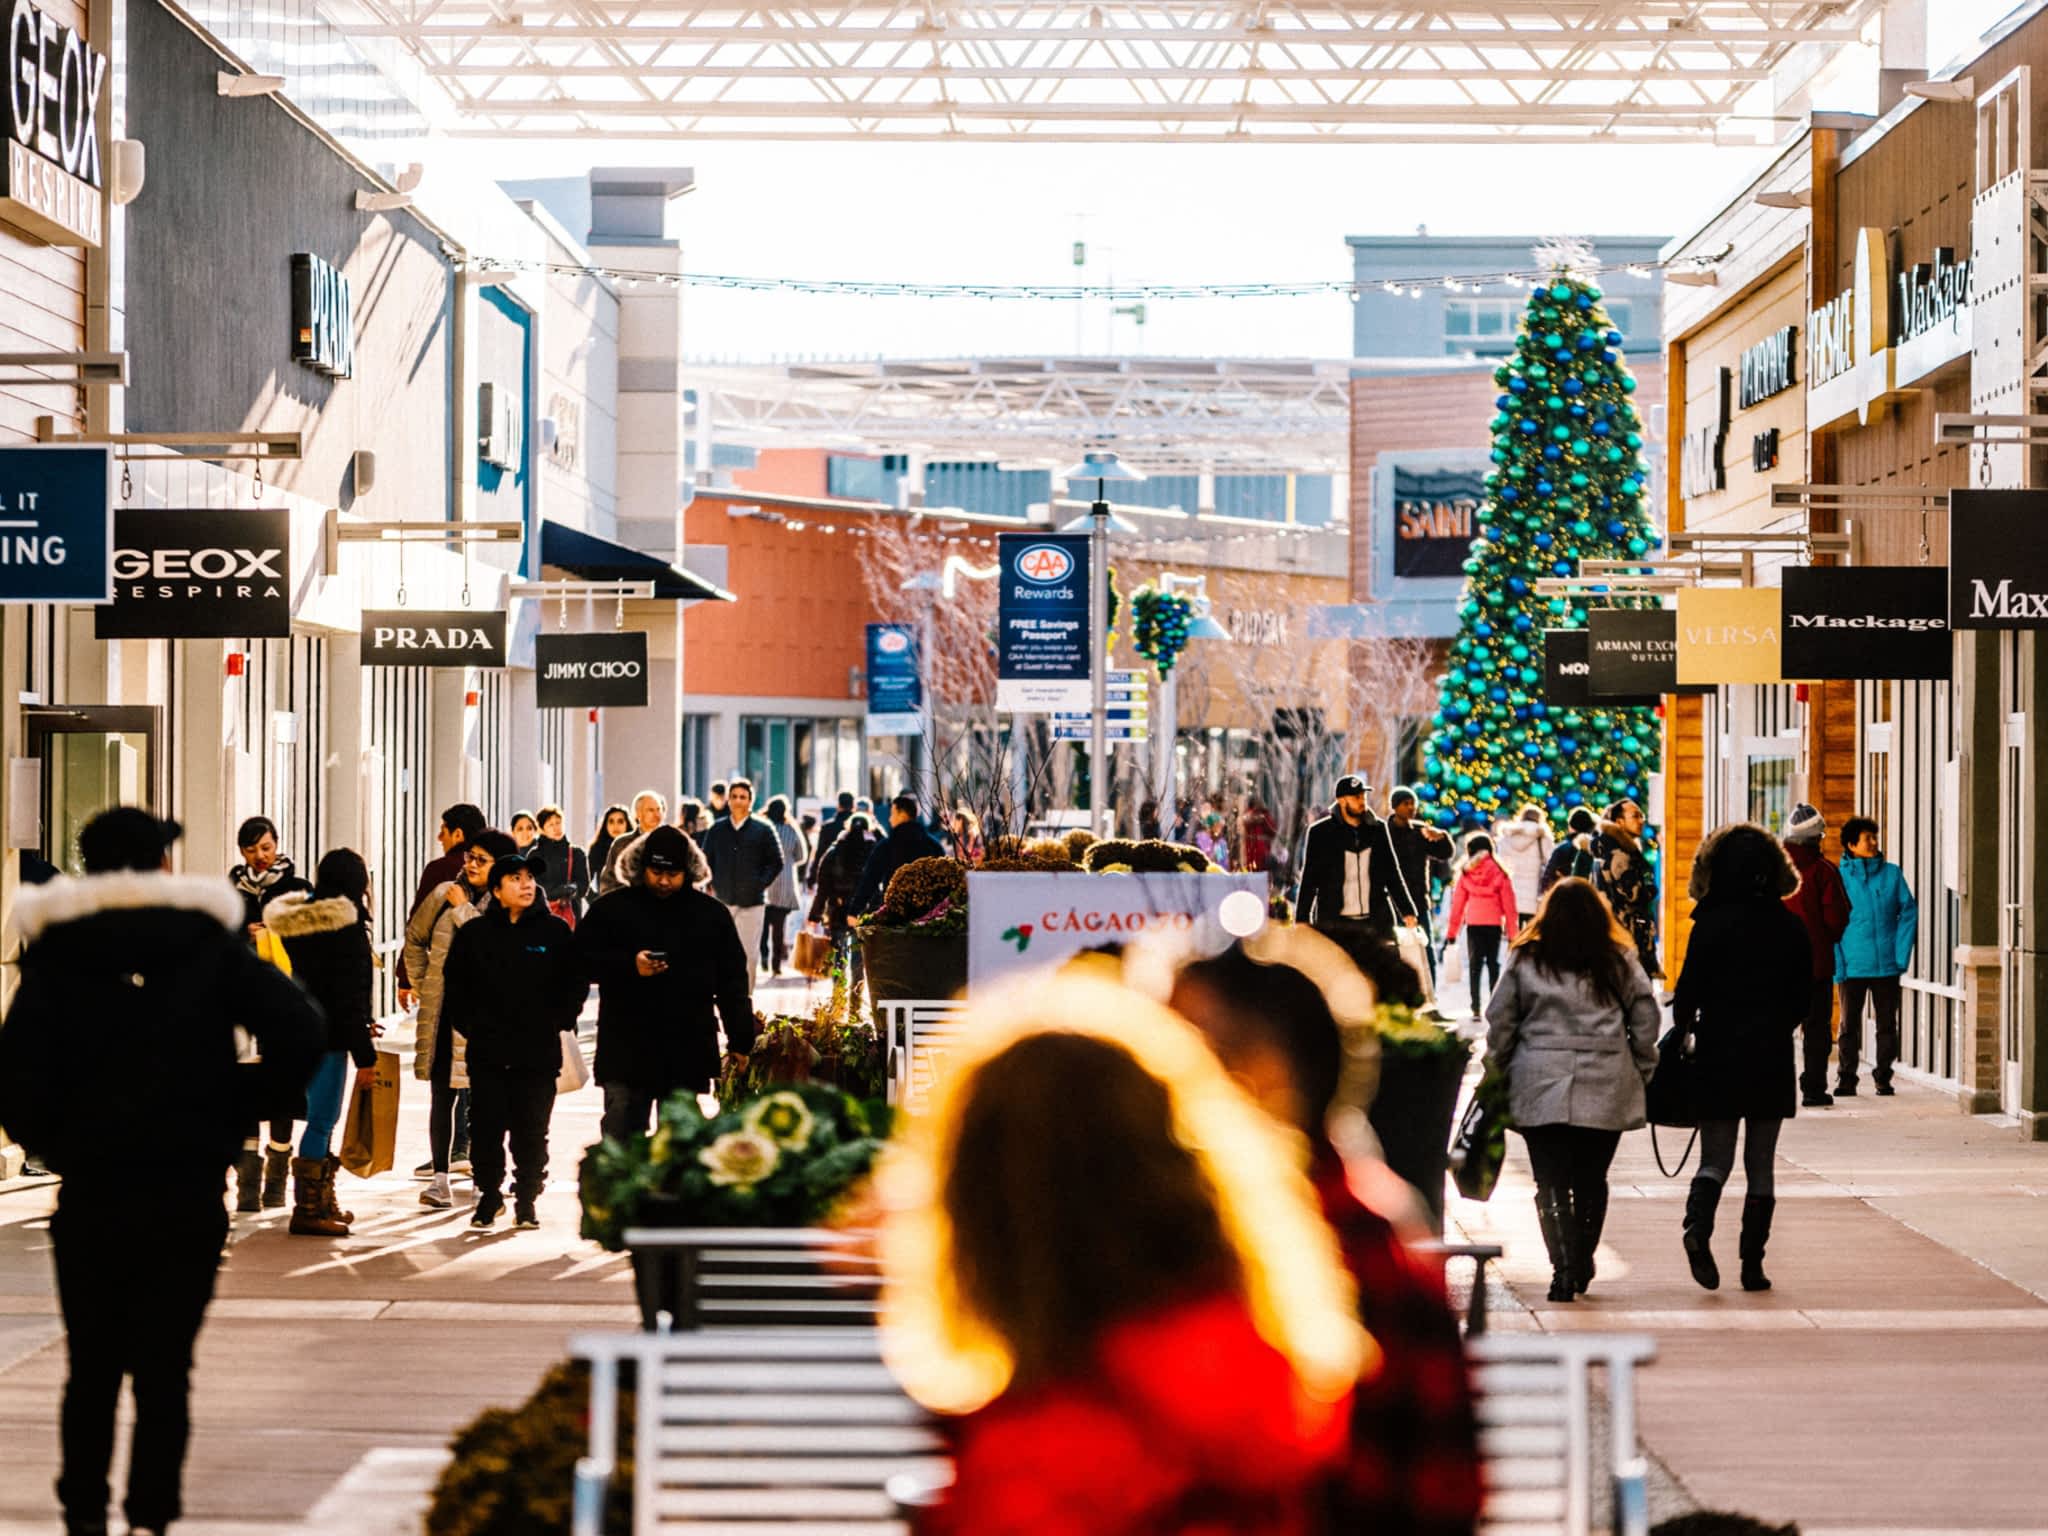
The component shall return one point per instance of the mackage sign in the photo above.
(1997, 560)
(1870, 621)
(208, 573)
(591, 671)
(51, 176)
(419, 637)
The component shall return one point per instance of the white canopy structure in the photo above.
(1302, 71)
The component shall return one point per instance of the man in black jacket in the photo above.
(908, 840)
(513, 981)
(118, 1070)
(1349, 871)
(828, 833)
(745, 856)
(669, 969)
(1417, 846)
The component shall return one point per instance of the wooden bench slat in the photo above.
(850, 1439)
(1522, 1410)
(753, 1344)
(1524, 1504)
(1506, 1440)
(1525, 1472)
(782, 1408)
(786, 1527)
(776, 1503)
(779, 1376)
(806, 1470)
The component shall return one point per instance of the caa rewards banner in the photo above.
(895, 691)
(1868, 621)
(1997, 560)
(426, 637)
(591, 671)
(1018, 923)
(1436, 517)
(1729, 635)
(1042, 640)
(210, 573)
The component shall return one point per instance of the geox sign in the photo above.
(1844, 623)
(418, 637)
(1998, 560)
(204, 574)
(51, 178)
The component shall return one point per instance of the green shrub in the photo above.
(514, 1469)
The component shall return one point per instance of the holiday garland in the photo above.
(1159, 625)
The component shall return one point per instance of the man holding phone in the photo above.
(670, 970)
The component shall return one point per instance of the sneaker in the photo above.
(1884, 1090)
(425, 1170)
(524, 1217)
(437, 1194)
(1816, 1100)
(487, 1210)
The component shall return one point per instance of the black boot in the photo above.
(1554, 1215)
(249, 1180)
(1756, 1231)
(1589, 1218)
(1700, 1202)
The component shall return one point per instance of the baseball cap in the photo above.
(512, 864)
(667, 848)
(1350, 784)
(126, 837)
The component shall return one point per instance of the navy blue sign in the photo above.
(895, 691)
(56, 526)
(1043, 644)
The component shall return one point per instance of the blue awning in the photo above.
(594, 559)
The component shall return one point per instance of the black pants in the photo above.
(775, 938)
(1482, 949)
(1885, 992)
(447, 1108)
(122, 1321)
(626, 1109)
(1571, 1157)
(1817, 1038)
(510, 1103)
(1759, 1153)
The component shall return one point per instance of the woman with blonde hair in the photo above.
(1108, 1263)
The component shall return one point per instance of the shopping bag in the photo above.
(370, 1144)
(1452, 971)
(575, 1071)
(1413, 944)
(565, 910)
(1481, 1143)
(813, 954)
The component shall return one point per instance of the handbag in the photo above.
(1481, 1143)
(1672, 1096)
(1413, 943)
(575, 1071)
(813, 953)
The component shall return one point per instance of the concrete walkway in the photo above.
(1892, 1379)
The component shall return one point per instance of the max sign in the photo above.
(591, 671)
(420, 637)
(205, 574)
(51, 177)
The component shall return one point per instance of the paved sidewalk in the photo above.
(1892, 1379)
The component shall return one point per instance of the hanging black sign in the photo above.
(591, 671)
(1568, 674)
(1436, 517)
(422, 637)
(204, 573)
(1997, 560)
(1870, 621)
(1633, 654)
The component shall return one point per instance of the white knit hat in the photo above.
(1804, 825)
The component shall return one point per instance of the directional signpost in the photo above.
(1126, 718)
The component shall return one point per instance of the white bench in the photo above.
(1535, 1400)
(919, 1034)
(765, 1432)
(727, 1277)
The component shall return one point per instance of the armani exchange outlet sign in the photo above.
(51, 179)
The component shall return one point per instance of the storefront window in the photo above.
(1770, 791)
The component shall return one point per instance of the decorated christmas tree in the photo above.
(1568, 484)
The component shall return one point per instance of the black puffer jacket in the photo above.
(744, 859)
(905, 843)
(329, 945)
(660, 1033)
(510, 989)
(1324, 863)
(124, 1036)
(839, 879)
(1743, 989)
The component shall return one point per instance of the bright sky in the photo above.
(1008, 213)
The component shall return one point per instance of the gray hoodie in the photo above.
(1573, 1054)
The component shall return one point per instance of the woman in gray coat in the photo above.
(1572, 1026)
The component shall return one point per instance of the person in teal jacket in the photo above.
(1873, 953)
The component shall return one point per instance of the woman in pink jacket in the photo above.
(1483, 904)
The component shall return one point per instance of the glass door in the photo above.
(2014, 1003)
(91, 759)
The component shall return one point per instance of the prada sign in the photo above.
(51, 178)
(591, 671)
(1871, 621)
(1997, 560)
(418, 637)
(323, 318)
(205, 574)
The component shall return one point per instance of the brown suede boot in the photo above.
(313, 1189)
(331, 1169)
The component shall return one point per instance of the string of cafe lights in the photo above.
(789, 522)
(1413, 287)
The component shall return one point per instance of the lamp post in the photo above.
(1166, 712)
(1101, 468)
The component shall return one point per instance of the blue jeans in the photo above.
(323, 1104)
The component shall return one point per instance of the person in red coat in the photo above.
(1270, 1007)
(1138, 1323)
(1822, 904)
(1483, 904)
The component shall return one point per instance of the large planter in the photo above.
(903, 966)
(1412, 1114)
(706, 1277)
(658, 1279)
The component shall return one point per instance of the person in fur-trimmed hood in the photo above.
(118, 1068)
(1524, 846)
(1621, 871)
(1741, 993)
(327, 934)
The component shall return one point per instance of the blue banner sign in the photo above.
(1044, 647)
(895, 688)
(56, 526)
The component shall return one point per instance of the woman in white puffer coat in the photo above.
(1523, 847)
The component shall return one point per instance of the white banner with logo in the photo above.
(1031, 922)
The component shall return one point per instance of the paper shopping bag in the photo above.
(813, 952)
(575, 1072)
(370, 1144)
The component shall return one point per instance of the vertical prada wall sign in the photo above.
(323, 318)
(54, 169)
